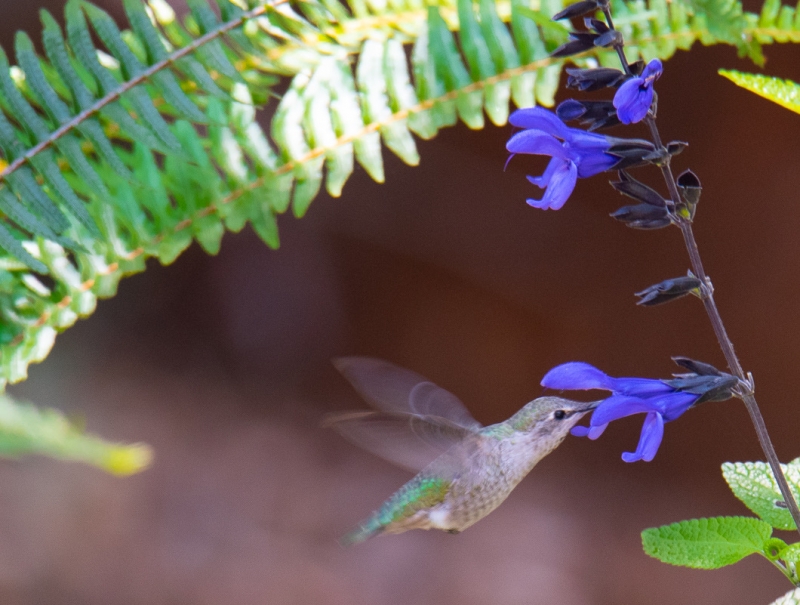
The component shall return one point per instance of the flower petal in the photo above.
(582, 141)
(633, 100)
(649, 441)
(543, 181)
(561, 186)
(577, 375)
(536, 142)
(596, 431)
(595, 163)
(579, 431)
(653, 70)
(540, 119)
(640, 387)
(675, 404)
(619, 406)
(592, 432)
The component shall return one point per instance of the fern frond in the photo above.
(25, 429)
(783, 92)
(135, 150)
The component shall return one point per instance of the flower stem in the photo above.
(745, 381)
(745, 391)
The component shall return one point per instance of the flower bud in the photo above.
(594, 78)
(578, 42)
(593, 114)
(642, 216)
(689, 189)
(627, 185)
(579, 9)
(669, 290)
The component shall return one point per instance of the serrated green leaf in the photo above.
(706, 543)
(791, 553)
(783, 92)
(754, 484)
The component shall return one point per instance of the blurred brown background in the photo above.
(222, 364)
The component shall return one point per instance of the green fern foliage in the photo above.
(783, 92)
(123, 143)
(25, 429)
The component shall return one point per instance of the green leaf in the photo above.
(791, 553)
(706, 543)
(754, 484)
(783, 92)
(27, 430)
(13, 247)
(110, 35)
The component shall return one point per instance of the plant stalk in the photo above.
(745, 393)
(745, 390)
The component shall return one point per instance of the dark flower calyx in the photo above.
(596, 25)
(594, 78)
(637, 67)
(579, 9)
(592, 114)
(710, 385)
(642, 216)
(689, 189)
(611, 38)
(627, 185)
(676, 147)
(697, 367)
(631, 152)
(578, 42)
(704, 380)
(668, 290)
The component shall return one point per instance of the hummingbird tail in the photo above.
(369, 528)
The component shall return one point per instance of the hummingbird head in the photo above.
(548, 419)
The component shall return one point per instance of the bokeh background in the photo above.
(223, 365)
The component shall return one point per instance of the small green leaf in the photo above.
(450, 68)
(706, 543)
(783, 92)
(212, 52)
(754, 484)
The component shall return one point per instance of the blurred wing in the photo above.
(393, 389)
(407, 440)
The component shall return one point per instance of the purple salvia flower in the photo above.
(634, 97)
(661, 401)
(574, 152)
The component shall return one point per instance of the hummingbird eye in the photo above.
(559, 414)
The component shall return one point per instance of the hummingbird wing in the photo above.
(408, 440)
(396, 390)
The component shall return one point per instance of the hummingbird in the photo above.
(466, 469)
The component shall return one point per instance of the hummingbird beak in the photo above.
(592, 405)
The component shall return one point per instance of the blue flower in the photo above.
(574, 152)
(634, 97)
(661, 400)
